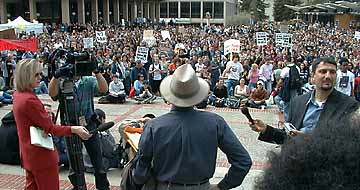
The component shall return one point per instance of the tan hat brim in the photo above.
(165, 91)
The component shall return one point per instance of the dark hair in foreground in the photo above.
(315, 63)
(328, 158)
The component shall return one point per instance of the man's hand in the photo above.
(296, 133)
(214, 187)
(259, 126)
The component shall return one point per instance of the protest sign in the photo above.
(88, 43)
(283, 39)
(357, 35)
(148, 34)
(165, 34)
(261, 38)
(101, 37)
(231, 46)
(142, 54)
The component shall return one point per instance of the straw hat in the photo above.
(184, 88)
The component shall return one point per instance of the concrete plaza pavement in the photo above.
(12, 177)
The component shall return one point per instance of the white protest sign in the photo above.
(165, 34)
(148, 34)
(283, 39)
(142, 54)
(231, 46)
(357, 35)
(88, 43)
(261, 38)
(101, 37)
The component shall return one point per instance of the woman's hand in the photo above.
(81, 131)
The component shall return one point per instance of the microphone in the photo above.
(102, 127)
(245, 111)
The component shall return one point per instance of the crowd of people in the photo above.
(189, 68)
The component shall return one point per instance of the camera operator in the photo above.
(84, 89)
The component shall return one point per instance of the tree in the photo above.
(257, 7)
(282, 13)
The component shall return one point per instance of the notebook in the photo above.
(37, 138)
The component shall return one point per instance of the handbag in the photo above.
(132, 92)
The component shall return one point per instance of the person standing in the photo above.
(266, 73)
(233, 71)
(181, 146)
(345, 79)
(41, 164)
(85, 88)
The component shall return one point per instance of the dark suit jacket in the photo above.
(336, 106)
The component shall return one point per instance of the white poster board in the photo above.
(283, 39)
(231, 46)
(148, 34)
(165, 35)
(142, 54)
(88, 43)
(101, 37)
(261, 38)
(357, 35)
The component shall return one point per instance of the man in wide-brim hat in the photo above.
(179, 148)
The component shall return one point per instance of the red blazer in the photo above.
(29, 111)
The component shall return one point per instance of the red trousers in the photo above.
(44, 179)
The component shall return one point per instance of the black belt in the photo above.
(186, 184)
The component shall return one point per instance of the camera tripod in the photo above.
(69, 116)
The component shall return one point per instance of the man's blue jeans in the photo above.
(230, 85)
(6, 98)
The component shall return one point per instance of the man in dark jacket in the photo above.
(181, 146)
(324, 104)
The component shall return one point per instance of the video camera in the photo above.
(67, 63)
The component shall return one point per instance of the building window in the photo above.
(218, 10)
(185, 9)
(163, 10)
(173, 9)
(207, 8)
(195, 9)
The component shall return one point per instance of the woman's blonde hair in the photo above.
(25, 72)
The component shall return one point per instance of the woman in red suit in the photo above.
(41, 164)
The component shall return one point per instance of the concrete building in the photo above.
(113, 11)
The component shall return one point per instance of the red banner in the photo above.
(25, 45)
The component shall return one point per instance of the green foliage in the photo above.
(239, 19)
(282, 13)
(257, 7)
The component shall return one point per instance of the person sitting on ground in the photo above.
(219, 95)
(308, 162)
(242, 91)
(258, 96)
(41, 89)
(116, 90)
(5, 98)
(145, 95)
(138, 84)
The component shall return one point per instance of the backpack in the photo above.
(233, 103)
(295, 81)
(9, 141)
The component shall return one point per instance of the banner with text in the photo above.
(142, 54)
(231, 46)
(283, 39)
(101, 36)
(261, 38)
(88, 43)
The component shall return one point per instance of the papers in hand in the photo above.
(38, 139)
